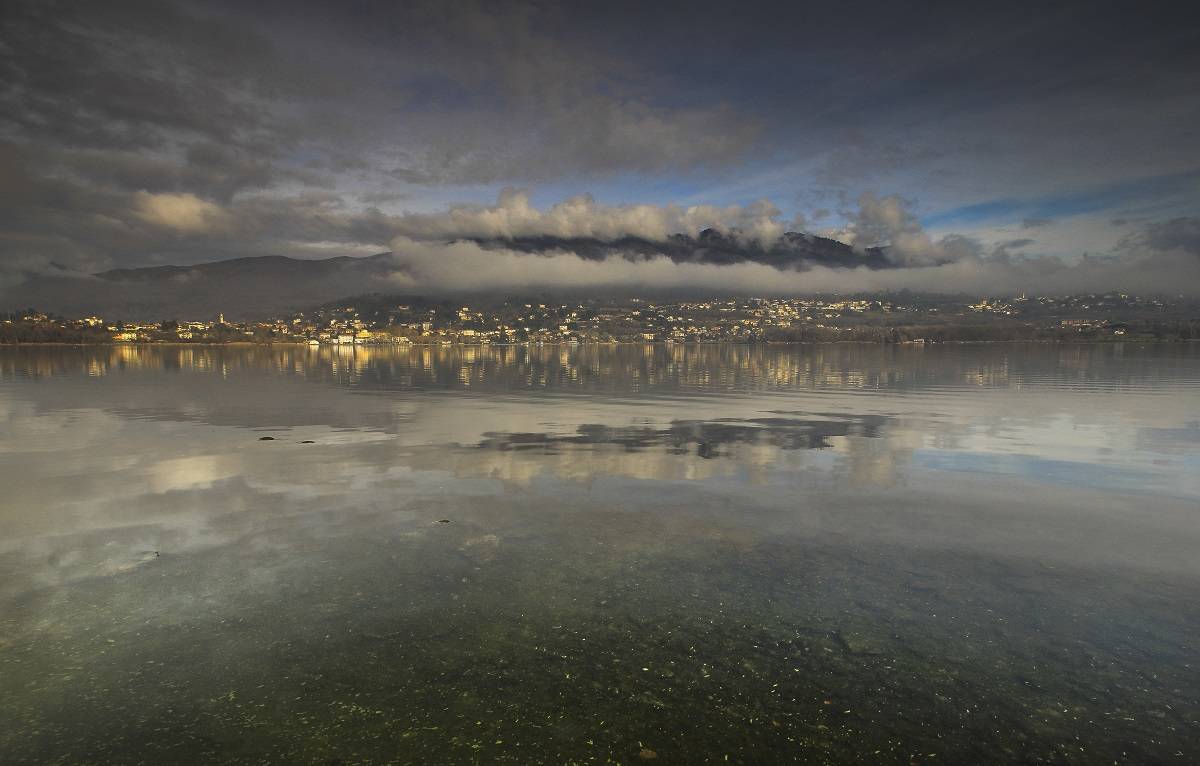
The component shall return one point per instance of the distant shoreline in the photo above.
(592, 344)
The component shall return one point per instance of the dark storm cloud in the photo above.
(129, 74)
(208, 169)
(135, 132)
(1174, 234)
(105, 100)
(479, 92)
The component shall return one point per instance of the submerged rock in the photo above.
(127, 563)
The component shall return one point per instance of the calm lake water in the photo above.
(574, 554)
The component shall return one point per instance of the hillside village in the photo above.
(387, 320)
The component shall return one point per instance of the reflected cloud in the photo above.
(194, 472)
(679, 368)
(707, 439)
(112, 452)
(1186, 438)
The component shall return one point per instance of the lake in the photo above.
(675, 554)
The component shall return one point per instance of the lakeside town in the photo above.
(904, 318)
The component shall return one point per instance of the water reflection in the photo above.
(635, 368)
(708, 439)
(700, 546)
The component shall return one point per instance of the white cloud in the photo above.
(465, 266)
(581, 216)
(881, 221)
(923, 262)
(180, 212)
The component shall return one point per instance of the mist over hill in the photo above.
(485, 265)
(246, 288)
(260, 287)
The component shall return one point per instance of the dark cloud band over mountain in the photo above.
(755, 146)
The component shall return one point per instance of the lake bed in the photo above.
(581, 554)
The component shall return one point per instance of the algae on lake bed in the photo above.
(584, 646)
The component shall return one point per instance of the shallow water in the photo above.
(614, 554)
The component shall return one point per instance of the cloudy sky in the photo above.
(997, 145)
